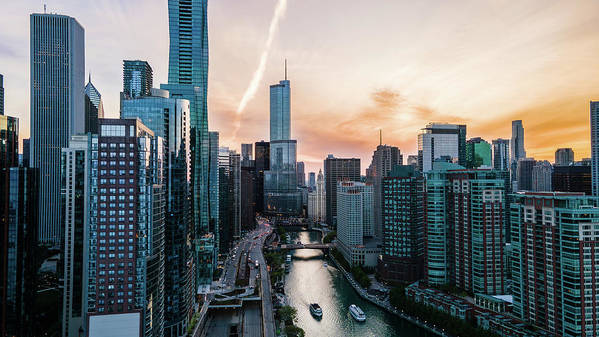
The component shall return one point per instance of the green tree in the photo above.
(294, 331)
(329, 237)
(288, 314)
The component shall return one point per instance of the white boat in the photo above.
(357, 313)
(315, 310)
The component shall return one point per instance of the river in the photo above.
(309, 281)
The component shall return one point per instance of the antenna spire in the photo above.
(44, 8)
(285, 69)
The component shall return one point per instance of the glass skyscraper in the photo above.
(188, 78)
(57, 66)
(94, 108)
(137, 78)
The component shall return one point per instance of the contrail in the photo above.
(253, 87)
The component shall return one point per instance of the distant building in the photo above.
(317, 200)
(301, 174)
(501, 154)
(438, 140)
(94, 108)
(517, 142)
(248, 200)
(564, 228)
(56, 103)
(26, 152)
(229, 197)
(524, 174)
(336, 170)
(564, 157)
(246, 155)
(572, 178)
(541, 176)
(478, 153)
(384, 158)
(214, 186)
(137, 79)
(262, 164)
(355, 224)
(402, 257)
(312, 180)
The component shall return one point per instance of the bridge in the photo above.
(323, 246)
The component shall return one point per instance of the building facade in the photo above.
(478, 153)
(524, 174)
(57, 66)
(441, 140)
(336, 170)
(137, 79)
(564, 157)
(317, 206)
(572, 178)
(262, 164)
(541, 176)
(554, 265)
(94, 108)
(501, 154)
(301, 174)
(402, 257)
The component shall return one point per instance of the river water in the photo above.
(309, 281)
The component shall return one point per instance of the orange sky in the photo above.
(355, 67)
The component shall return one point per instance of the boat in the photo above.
(357, 313)
(315, 310)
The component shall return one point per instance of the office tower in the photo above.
(517, 141)
(438, 140)
(246, 155)
(18, 237)
(213, 184)
(384, 158)
(57, 66)
(26, 152)
(541, 176)
(355, 224)
(188, 79)
(336, 170)
(555, 261)
(501, 154)
(402, 257)
(168, 118)
(564, 157)
(137, 79)
(317, 206)
(126, 229)
(413, 161)
(281, 195)
(301, 175)
(75, 194)
(93, 107)
(9, 141)
(229, 197)
(572, 178)
(478, 153)
(312, 180)
(248, 200)
(1, 95)
(524, 174)
(262, 162)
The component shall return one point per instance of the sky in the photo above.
(355, 67)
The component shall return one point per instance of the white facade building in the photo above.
(317, 200)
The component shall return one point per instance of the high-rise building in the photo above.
(541, 176)
(168, 118)
(402, 257)
(555, 260)
(94, 108)
(126, 228)
(517, 141)
(312, 181)
(301, 174)
(26, 152)
(247, 198)
(384, 158)
(229, 197)
(413, 161)
(501, 154)
(564, 156)
(137, 79)
(281, 195)
(246, 155)
(262, 162)
(441, 140)
(572, 178)
(57, 66)
(213, 185)
(317, 206)
(595, 146)
(478, 153)
(9, 141)
(524, 174)
(1, 95)
(355, 220)
(18, 265)
(188, 79)
(336, 170)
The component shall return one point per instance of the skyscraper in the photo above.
(168, 118)
(137, 79)
(317, 200)
(478, 153)
(384, 158)
(595, 146)
(336, 170)
(402, 258)
(281, 195)
(541, 176)
(1, 95)
(572, 178)
(555, 260)
(9, 140)
(188, 79)
(94, 108)
(524, 174)
(262, 164)
(213, 184)
(229, 197)
(501, 154)
(564, 156)
(312, 180)
(301, 174)
(438, 140)
(517, 141)
(57, 66)
(246, 154)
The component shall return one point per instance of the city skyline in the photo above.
(539, 69)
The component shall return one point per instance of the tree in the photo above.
(294, 331)
(288, 314)
(329, 237)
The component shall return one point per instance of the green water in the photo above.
(309, 281)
